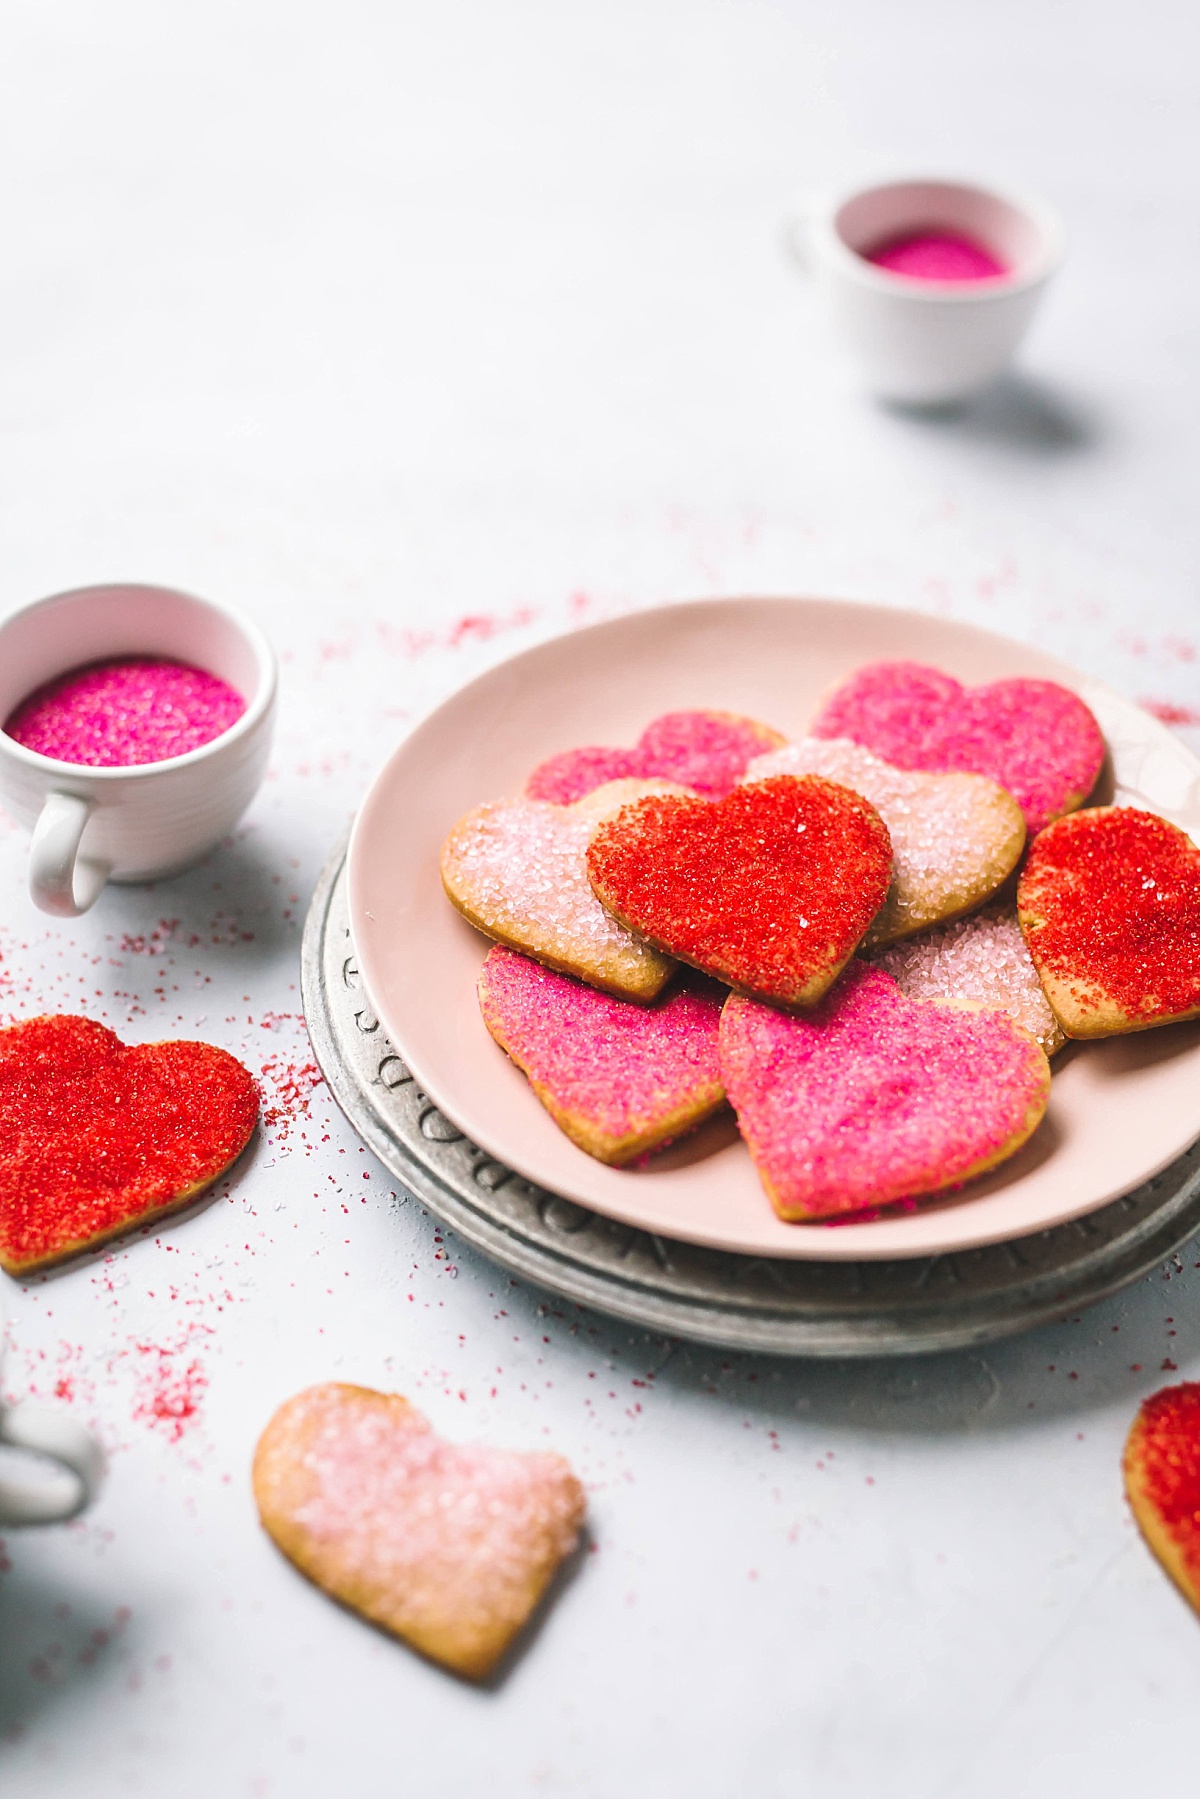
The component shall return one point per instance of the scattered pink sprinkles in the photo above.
(123, 713)
(871, 1097)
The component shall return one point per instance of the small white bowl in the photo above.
(921, 342)
(93, 825)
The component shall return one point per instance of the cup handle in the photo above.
(48, 1432)
(60, 880)
(798, 229)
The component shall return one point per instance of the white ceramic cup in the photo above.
(60, 1471)
(918, 342)
(92, 825)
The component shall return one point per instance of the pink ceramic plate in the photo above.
(1120, 1110)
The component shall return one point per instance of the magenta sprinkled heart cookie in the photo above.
(620, 1079)
(872, 1097)
(516, 869)
(1034, 737)
(706, 751)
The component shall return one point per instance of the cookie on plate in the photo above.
(97, 1137)
(449, 1546)
(704, 751)
(872, 1097)
(1109, 901)
(955, 837)
(1162, 1479)
(770, 889)
(620, 1079)
(516, 870)
(982, 959)
(1035, 738)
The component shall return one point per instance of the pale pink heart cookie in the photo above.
(982, 959)
(955, 837)
(449, 1546)
(705, 751)
(516, 869)
(1034, 737)
(620, 1079)
(872, 1097)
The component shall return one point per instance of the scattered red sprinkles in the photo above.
(1116, 896)
(1036, 738)
(769, 888)
(94, 1135)
(706, 751)
(1162, 1471)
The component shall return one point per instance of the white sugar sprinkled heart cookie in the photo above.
(955, 837)
(516, 869)
(448, 1546)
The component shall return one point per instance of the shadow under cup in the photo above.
(149, 819)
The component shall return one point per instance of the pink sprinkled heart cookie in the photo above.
(770, 889)
(955, 837)
(620, 1079)
(873, 1097)
(448, 1546)
(705, 751)
(982, 959)
(516, 869)
(1109, 901)
(1035, 738)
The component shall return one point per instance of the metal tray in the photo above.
(781, 1307)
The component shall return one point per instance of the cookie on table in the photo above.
(1035, 738)
(1109, 902)
(97, 1137)
(448, 1546)
(1162, 1480)
(516, 870)
(704, 751)
(873, 1097)
(955, 837)
(770, 889)
(982, 959)
(620, 1079)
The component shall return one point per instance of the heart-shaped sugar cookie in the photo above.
(982, 959)
(770, 889)
(873, 1097)
(516, 869)
(1035, 738)
(1162, 1479)
(705, 751)
(96, 1138)
(955, 837)
(448, 1546)
(620, 1079)
(1109, 901)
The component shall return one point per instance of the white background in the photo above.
(423, 332)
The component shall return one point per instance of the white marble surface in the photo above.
(423, 332)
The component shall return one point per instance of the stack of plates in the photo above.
(689, 1246)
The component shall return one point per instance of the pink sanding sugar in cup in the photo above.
(126, 712)
(937, 256)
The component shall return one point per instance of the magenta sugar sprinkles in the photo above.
(122, 713)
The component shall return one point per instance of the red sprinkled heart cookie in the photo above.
(96, 1138)
(620, 1079)
(1036, 738)
(770, 889)
(873, 1097)
(706, 751)
(448, 1546)
(1109, 901)
(1162, 1479)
